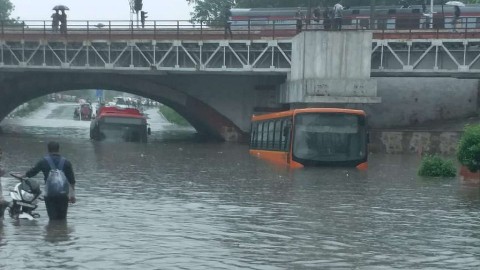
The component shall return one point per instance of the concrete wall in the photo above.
(414, 142)
(331, 55)
(414, 101)
(330, 67)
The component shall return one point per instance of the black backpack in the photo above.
(56, 183)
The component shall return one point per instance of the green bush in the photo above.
(468, 152)
(32, 105)
(435, 166)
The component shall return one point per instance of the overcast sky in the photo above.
(101, 9)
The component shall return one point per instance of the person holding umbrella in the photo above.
(62, 17)
(456, 16)
(63, 22)
(456, 13)
(55, 21)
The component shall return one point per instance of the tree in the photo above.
(209, 10)
(6, 8)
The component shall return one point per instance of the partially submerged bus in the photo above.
(127, 124)
(311, 137)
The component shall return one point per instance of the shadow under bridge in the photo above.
(18, 87)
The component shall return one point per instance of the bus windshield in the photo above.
(329, 137)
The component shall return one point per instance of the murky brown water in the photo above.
(179, 204)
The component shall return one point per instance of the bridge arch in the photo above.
(17, 88)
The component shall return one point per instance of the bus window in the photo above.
(264, 135)
(286, 134)
(259, 135)
(329, 137)
(278, 135)
(271, 133)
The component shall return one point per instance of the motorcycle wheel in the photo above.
(14, 210)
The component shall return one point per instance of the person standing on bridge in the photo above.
(337, 16)
(456, 17)
(316, 15)
(299, 20)
(55, 21)
(327, 22)
(63, 22)
(226, 20)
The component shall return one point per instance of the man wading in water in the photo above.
(56, 203)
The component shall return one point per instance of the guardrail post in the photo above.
(3, 28)
(249, 29)
(154, 30)
(23, 29)
(201, 29)
(273, 32)
(109, 30)
(131, 29)
(44, 30)
(178, 30)
(88, 30)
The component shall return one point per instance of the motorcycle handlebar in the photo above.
(18, 176)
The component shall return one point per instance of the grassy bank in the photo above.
(172, 116)
(29, 107)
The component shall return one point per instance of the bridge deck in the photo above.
(184, 47)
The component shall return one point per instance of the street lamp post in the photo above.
(132, 8)
(431, 13)
(372, 14)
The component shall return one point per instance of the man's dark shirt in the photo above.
(42, 166)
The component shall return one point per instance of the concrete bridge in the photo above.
(218, 83)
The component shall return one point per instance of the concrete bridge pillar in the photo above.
(330, 67)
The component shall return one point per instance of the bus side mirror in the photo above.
(149, 131)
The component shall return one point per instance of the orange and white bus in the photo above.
(311, 137)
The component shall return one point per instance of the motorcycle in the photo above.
(25, 196)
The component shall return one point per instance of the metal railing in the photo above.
(158, 29)
(468, 27)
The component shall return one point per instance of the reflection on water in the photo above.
(187, 205)
(57, 231)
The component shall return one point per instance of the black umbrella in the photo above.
(60, 7)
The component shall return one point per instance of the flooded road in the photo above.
(174, 203)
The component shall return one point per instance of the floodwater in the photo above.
(175, 203)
